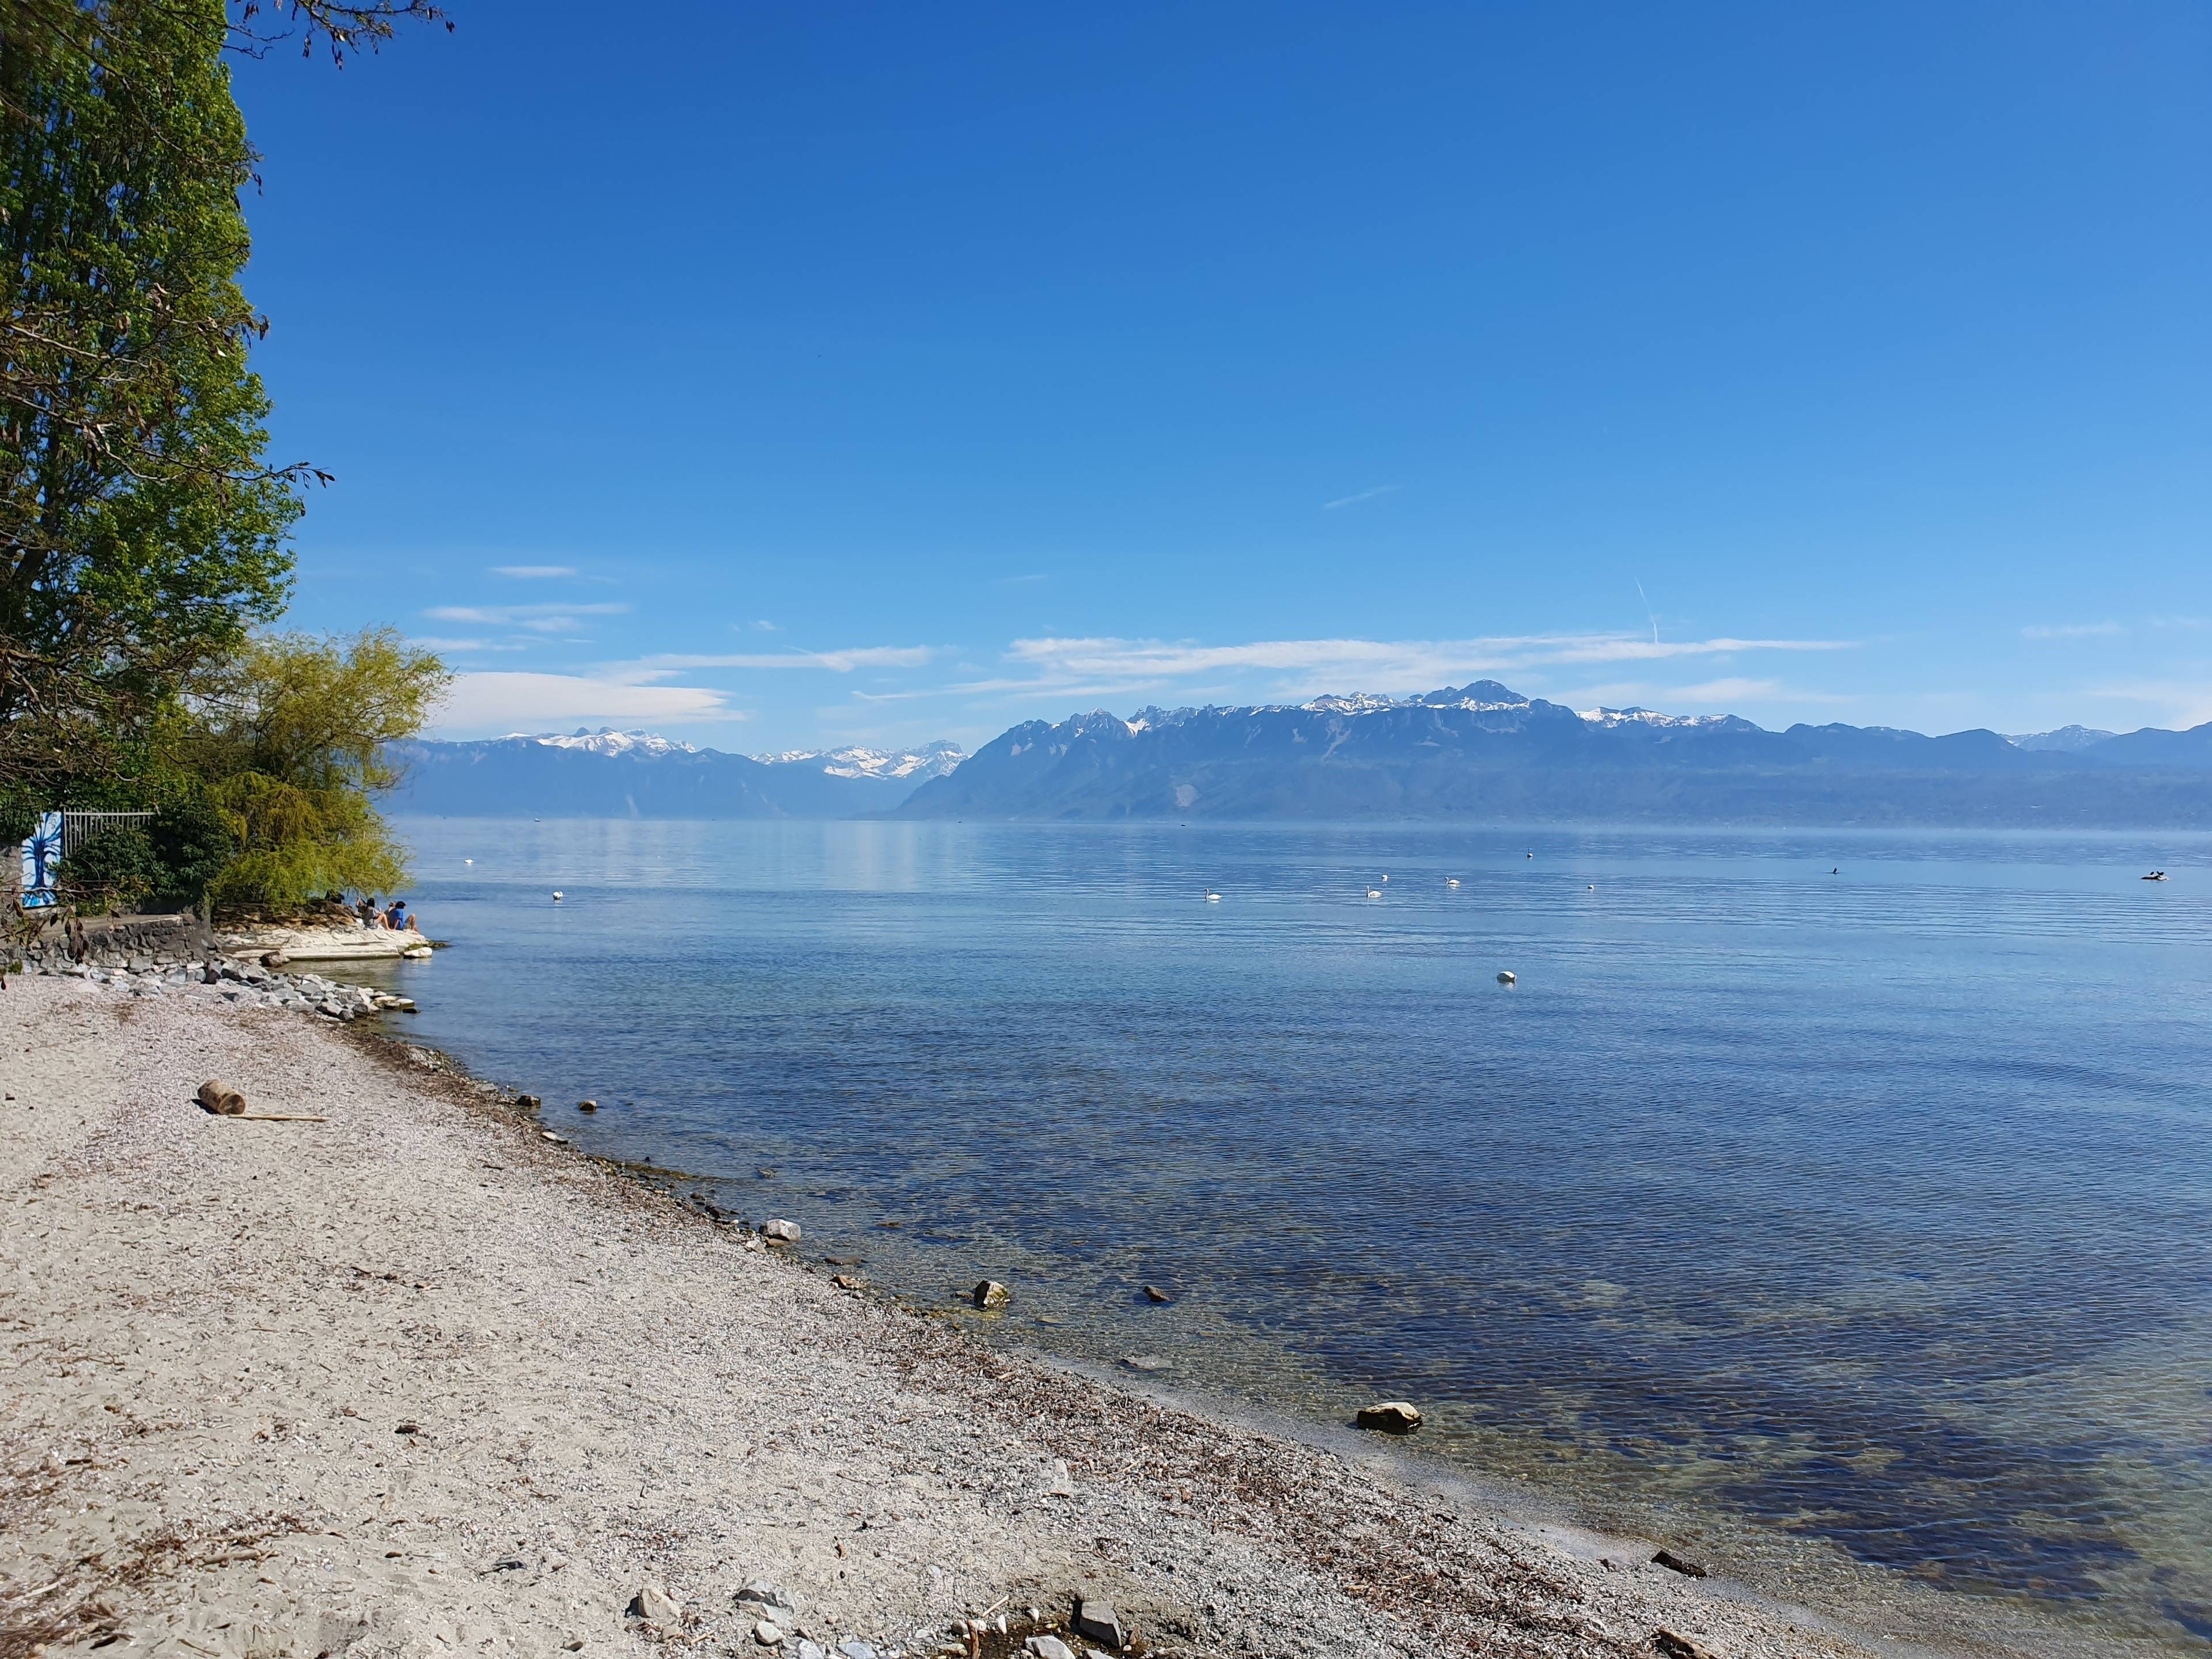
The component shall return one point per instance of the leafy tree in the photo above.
(290, 736)
(141, 531)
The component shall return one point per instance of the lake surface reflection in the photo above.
(1837, 1201)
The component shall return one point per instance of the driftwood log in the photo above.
(219, 1097)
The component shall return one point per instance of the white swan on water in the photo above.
(1451, 881)
(556, 895)
(1212, 898)
(1375, 892)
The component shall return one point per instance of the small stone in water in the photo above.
(1146, 1362)
(587, 1105)
(992, 1294)
(1156, 1296)
(1391, 1416)
(784, 1232)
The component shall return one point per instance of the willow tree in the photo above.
(291, 736)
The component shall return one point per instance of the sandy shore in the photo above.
(413, 1380)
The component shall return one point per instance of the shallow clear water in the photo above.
(1837, 1222)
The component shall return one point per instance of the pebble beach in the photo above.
(408, 1375)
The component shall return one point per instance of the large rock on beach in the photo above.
(992, 1294)
(656, 1607)
(782, 1232)
(1096, 1621)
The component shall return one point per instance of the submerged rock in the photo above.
(1156, 1296)
(992, 1294)
(1391, 1416)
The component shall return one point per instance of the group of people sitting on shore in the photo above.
(397, 919)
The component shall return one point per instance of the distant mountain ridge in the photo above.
(610, 774)
(1484, 752)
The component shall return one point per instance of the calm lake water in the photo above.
(1854, 1227)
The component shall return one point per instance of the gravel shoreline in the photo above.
(416, 1380)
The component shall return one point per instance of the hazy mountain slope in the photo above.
(632, 774)
(1483, 752)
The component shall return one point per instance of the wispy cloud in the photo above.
(837, 662)
(537, 619)
(2070, 630)
(765, 627)
(2175, 702)
(433, 642)
(1360, 495)
(501, 701)
(1029, 581)
(1377, 664)
(533, 572)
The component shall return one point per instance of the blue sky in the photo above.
(783, 376)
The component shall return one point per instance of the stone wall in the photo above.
(136, 942)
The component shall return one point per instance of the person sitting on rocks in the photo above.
(367, 910)
(396, 917)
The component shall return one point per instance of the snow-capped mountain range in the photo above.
(1480, 751)
(1484, 752)
(610, 773)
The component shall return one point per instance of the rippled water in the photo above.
(1851, 1224)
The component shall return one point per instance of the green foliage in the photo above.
(193, 847)
(141, 532)
(291, 738)
(115, 870)
(19, 816)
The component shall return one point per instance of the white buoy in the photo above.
(1506, 979)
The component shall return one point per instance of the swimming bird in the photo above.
(556, 895)
(1212, 898)
(1506, 978)
(2155, 875)
(468, 860)
(1386, 878)
(1531, 855)
(1593, 887)
(1375, 892)
(1451, 881)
